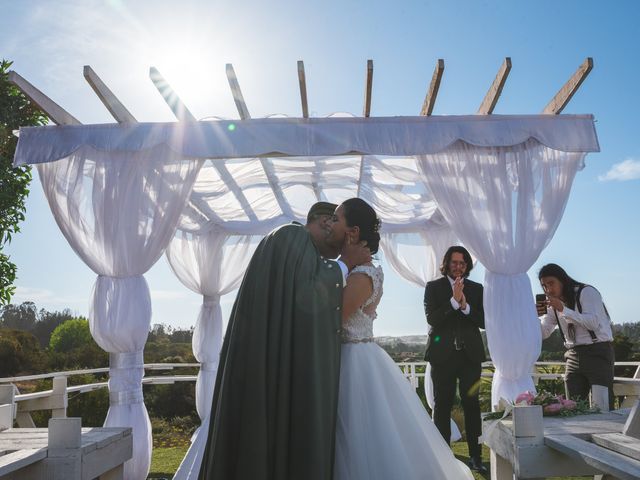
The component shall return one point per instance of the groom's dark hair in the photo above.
(444, 267)
(359, 213)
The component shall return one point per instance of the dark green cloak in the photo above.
(274, 408)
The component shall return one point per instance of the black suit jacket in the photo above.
(445, 321)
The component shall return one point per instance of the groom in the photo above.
(274, 407)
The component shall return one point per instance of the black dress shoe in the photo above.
(476, 464)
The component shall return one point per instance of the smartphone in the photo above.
(541, 308)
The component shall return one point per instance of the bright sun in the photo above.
(190, 72)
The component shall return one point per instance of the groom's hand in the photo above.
(355, 254)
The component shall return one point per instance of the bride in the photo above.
(383, 430)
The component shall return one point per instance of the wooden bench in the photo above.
(606, 445)
(64, 451)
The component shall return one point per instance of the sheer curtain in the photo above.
(211, 264)
(504, 204)
(119, 211)
(416, 257)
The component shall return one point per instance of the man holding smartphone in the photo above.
(582, 319)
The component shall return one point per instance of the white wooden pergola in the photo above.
(246, 173)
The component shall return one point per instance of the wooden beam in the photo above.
(176, 105)
(107, 97)
(302, 79)
(182, 113)
(269, 171)
(368, 85)
(434, 86)
(557, 103)
(237, 93)
(492, 96)
(55, 112)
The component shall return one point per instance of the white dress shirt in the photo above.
(454, 303)
(593, 317)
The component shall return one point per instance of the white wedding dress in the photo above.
(383, 431)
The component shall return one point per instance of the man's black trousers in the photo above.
(445, 376)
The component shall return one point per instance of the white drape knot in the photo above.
(210, 300)
(209, 366)
(120, 276)
(125, 374)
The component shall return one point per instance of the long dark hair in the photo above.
(444, 266)
(359, 213)
(568, 284)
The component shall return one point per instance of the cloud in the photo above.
(626, 170)
(43, 297)
(171, 295)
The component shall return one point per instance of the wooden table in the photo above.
(531, 446)
(64, 451)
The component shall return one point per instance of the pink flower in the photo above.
(525, 398)
(568, 404)
(553, 408)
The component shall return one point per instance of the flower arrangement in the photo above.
(551, 405)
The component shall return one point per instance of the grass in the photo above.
(165, 461)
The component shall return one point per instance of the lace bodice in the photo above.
(359, 326)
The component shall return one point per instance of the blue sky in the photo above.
(190, 42)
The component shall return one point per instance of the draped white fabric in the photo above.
(335, 135)
(211, 264)
(499, 184)
(504, 204)
(119, 212)
(416, 257)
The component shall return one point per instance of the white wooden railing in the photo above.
(56, 399)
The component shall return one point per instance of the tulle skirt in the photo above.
(383, 430)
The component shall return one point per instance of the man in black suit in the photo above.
(453, 305)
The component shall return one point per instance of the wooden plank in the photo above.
(620, 443)
(434, 86)
(237, 93)
(491, 98)
(302, 80)
(107, 97)
(12, 462)
(540, 461)
(632, 425)
(176, 105)
(562, 98)
(55, 112)
(107, 458)
(368, 88)
(600, 458)
(501, 469)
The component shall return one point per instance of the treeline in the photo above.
(38, 341)
(34, 341)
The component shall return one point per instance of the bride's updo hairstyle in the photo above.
(359, 213)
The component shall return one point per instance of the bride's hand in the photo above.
(354, 254)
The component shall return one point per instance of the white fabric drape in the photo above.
(211, 264)
(416, 257)
(119, 211)
(335, 135)
(504, 204)
(499, 182)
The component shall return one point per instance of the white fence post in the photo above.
(59, 398)
(7, 406)
(64, 456)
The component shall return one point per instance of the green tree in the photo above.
(15, 111)
(20, 317)
(20, 353)
(71, 335)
